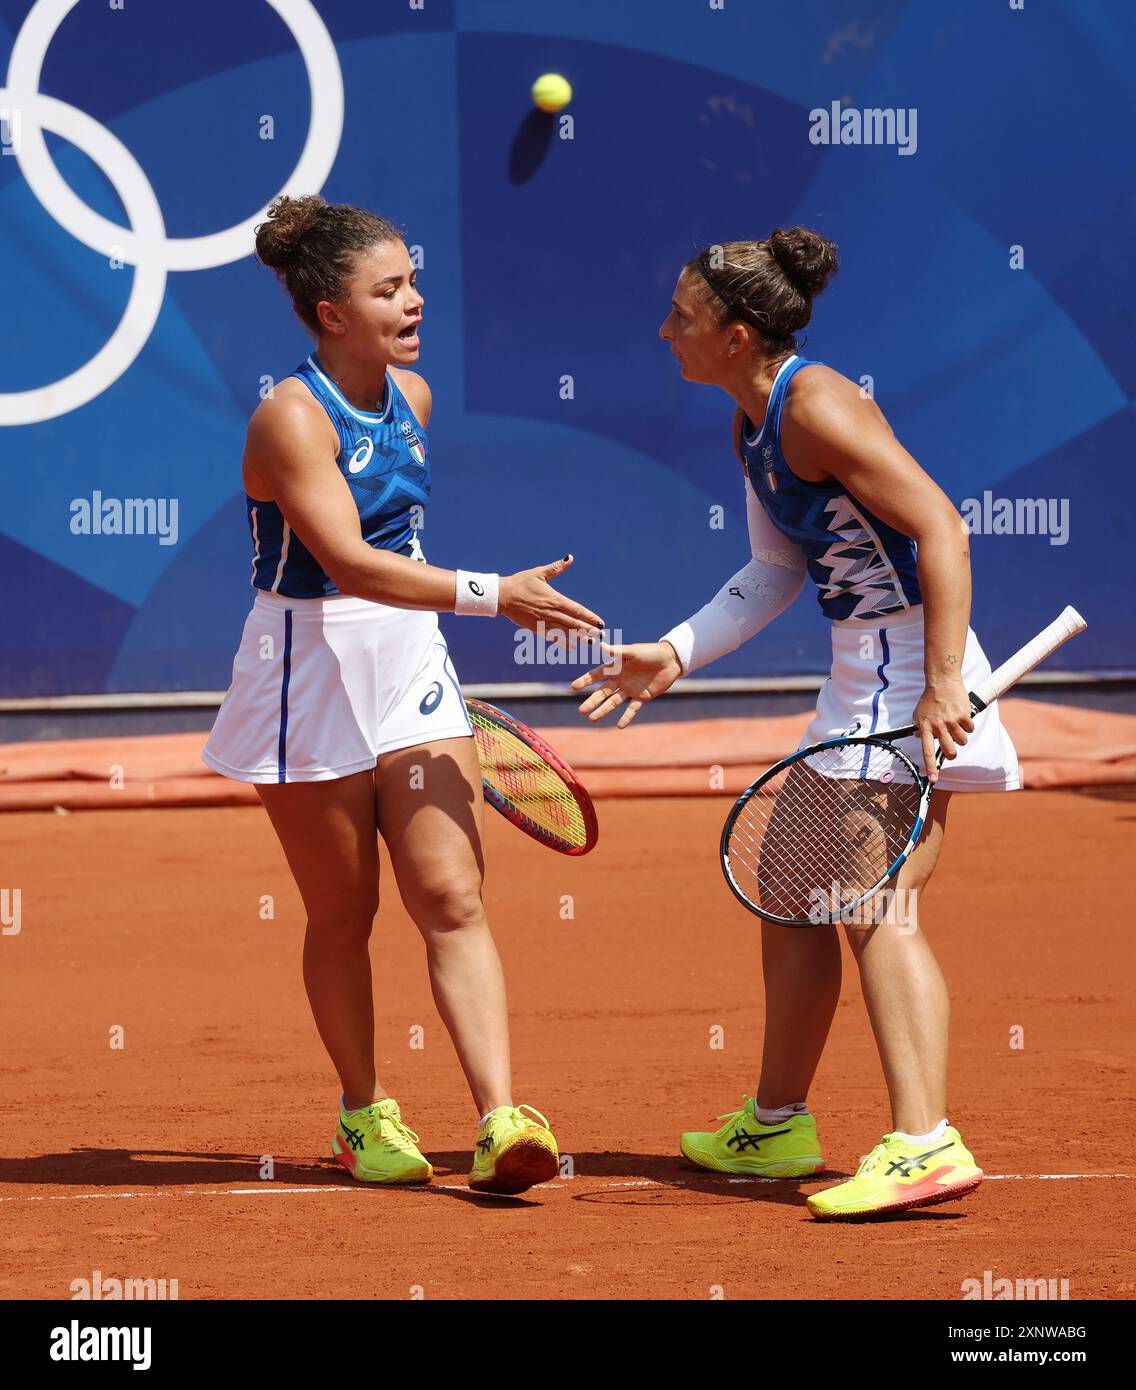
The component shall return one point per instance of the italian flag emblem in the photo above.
(413, 443)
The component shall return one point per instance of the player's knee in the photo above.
(348, 923)
(914, 878)
(448, 907)
(858, 934)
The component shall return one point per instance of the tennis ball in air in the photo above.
(551, 92)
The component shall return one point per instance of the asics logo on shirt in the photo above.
(364, 448)
(432, 699)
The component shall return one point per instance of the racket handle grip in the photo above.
(1066, 625)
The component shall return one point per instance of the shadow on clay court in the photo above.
(170, 1168)
(92, 1167)
(631, 1179)
(666, 1180)
(161, 1168)
(1109, 791)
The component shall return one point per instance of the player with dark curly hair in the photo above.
(345, 709)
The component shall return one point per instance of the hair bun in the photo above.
(288, 220)
(806, 258)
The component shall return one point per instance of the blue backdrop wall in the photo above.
(545, 258)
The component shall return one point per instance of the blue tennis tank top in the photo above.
(862, 567)
(384, 461)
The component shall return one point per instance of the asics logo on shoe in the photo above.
(485, 1144)
(743, 1140)
(906, 1166)
(354, 1136)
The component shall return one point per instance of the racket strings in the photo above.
(523, 779)
(821, 834)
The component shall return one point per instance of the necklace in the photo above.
(376, 408)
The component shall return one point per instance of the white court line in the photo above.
(270, 1190)
(1049, 1177)
(989, 1177)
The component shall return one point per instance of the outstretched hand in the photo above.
(632, 675)
(528, 599)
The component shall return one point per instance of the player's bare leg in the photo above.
(904, 990)
(430, 810)
(800, 965)
(329, 837)
(801, 970)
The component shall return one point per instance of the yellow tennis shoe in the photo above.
(899, 1174)
(744, 1145)
(513, 1152)
(374, 1145)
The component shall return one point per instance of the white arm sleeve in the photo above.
(749, 601)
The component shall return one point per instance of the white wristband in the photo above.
(476, 594)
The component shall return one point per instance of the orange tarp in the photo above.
(1059, 746)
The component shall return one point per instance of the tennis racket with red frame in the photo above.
(530, 784)
(828, 827)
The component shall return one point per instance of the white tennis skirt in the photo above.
(322, 687)
(876, 681)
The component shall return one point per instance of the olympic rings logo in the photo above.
(145, 245)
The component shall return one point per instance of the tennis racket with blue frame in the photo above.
(829, 827)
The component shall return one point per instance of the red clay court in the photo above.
(146, 1160)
